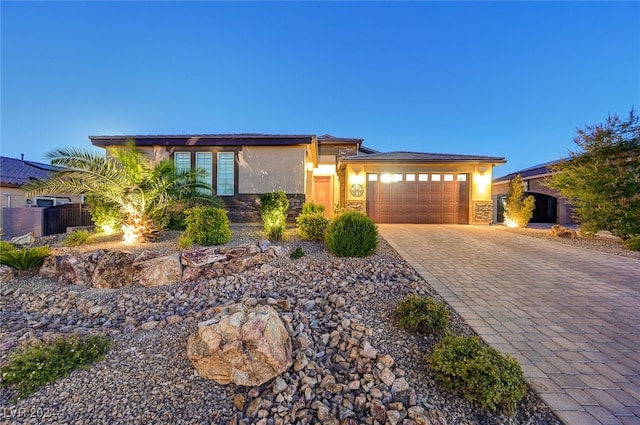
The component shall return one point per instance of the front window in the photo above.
(182, 161)
(225, 181)
(204, 162)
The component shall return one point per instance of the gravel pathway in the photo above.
(336, 310)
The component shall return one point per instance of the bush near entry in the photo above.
(352, 234)
(312, 224)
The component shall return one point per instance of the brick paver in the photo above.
(571, 316)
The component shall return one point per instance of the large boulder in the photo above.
(77, 269)
(23, 239)
(202, 257)
(246, 346)
(113, 270)
(159, 271)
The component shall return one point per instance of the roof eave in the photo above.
(494, 161)
(204, 140)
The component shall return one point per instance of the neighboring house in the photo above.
(395, 187)
(14, 174)
(550, 206)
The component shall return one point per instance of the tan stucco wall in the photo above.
(265, 169)
(479, 180)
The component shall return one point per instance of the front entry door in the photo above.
(323, 193)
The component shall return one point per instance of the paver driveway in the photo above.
(571, 316)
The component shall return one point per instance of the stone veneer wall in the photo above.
(483, 212)
(246, 208)
(355, 206)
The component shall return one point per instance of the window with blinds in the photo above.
(204, 163)
(182, 161)
(225, 174)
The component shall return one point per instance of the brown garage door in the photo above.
(430, 198)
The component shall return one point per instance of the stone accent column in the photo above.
(483, 212)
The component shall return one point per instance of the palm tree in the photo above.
(127, 179)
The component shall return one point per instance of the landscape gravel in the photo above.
(352, 364)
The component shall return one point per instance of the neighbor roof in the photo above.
(19, 172)
(403, 156)
(248, 139)
(535, 171)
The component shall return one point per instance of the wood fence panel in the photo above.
(58, 218)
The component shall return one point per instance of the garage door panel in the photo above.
(449, 198)
(449, 209)
(439, 202)
(435, 188)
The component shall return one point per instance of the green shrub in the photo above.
(312, 224)
(633, 244)
(312, 208)
(106, 216)
(6, 246)
(273, 209)
(297, 253)
(36, 365)
(25, 259)
(352, 234)
(518, 207)
(479, 372)
(422, 314)
(77, 237)
(174, 217)
(206, 226)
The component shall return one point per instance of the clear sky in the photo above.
(512, 79)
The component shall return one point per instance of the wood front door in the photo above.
(323, 193)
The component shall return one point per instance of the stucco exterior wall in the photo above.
(20, 221)
(265, 169)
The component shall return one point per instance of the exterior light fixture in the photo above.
(356, 178)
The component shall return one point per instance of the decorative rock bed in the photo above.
(117, 269)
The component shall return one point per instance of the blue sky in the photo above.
(510, 79)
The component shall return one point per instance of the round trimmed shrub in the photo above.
(352, 234)
(422, 314)
(206, 226)
(481, 373)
